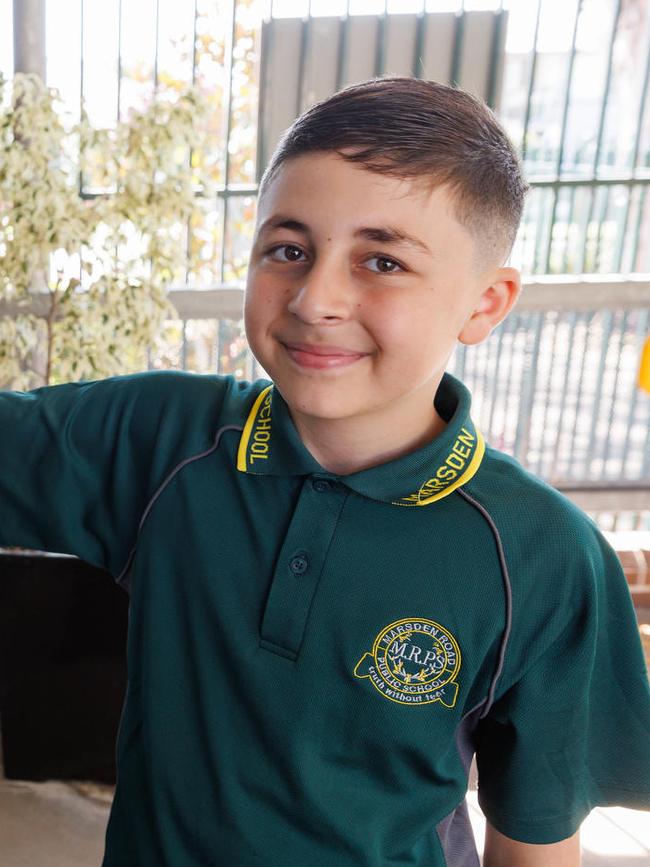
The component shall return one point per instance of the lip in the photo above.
(323, 357)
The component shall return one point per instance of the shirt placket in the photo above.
(300, 564)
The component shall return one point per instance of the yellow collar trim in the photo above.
(460, 465)
(259, 448)
(447, 477)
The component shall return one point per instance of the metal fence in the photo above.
(570, 80)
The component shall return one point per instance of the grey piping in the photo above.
(121, 577)
(508, 589)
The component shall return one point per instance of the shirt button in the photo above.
(298, 565)
(321, 485)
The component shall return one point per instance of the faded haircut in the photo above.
(414, 129)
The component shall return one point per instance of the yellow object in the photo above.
(644, 367)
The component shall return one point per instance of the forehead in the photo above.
(325, 192)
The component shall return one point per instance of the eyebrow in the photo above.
(381, 234)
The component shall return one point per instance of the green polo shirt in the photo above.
(313, 659)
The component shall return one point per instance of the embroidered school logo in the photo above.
(413, 661)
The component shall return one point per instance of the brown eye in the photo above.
(290, 254)
(386, 265)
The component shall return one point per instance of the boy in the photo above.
(338, 592)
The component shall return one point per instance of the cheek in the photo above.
(402, 321)
(262, 300)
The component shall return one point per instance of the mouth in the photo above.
(322, 357)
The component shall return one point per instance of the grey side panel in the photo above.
(124, 579)
(455, 830)
(457, 839)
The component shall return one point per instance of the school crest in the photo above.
(413, 661)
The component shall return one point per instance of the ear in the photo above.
(494, 304)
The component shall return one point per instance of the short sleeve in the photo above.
(80, 461)
(572, 731)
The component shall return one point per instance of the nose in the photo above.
(324, 295)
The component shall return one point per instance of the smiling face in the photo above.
(359, 286)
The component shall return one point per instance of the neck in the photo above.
(348, 445)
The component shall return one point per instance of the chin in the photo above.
(318, 402)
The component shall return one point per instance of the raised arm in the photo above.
(80, 461)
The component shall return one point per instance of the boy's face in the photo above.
(345, 319)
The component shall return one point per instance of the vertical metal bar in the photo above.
(155, 58)
(266, 43)
(619, 243)
(572, 200)
(184, 344)
(29, 37)
(645, 469)
(188, 225)
(642, 323)
(496, 378)
(485, 349)
(228, 127)
(615, 392)
(548, 394)
(637, 229)
(417, 66)
(119, 58)
(601, 220)
(522, 438)
(635, 153)
(216, 348)
(514, 325)
(222, 344)
(579, 390)
(498, 27)
(641, 110)
(598, 382)
(618, 264)
(380, 42)
(565, 116)
(81, 87)
(601, 123)
(584, 245)
(342, 52)
(608, 80)
(541, 225)
(461, 352)
(302, 57)
(459, 30)
(531, 84)
(573, 319)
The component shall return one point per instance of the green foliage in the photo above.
(102, 263)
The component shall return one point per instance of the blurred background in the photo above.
(556, 384)
(168, 114)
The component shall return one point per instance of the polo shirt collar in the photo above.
(270, 445)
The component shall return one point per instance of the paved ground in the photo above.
(57, 824)
(50, 825)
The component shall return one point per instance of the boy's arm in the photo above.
(80, 461)
(501, 851)
(569, 729)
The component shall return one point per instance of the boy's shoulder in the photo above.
(187, 396)
(542, 531)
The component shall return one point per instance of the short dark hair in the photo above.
(412, 128)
